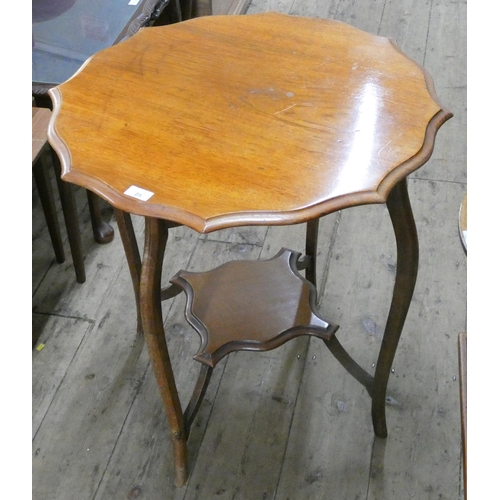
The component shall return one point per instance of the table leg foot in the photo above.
(154, 334)
(180, 461)
(103, 232)
(398, 204)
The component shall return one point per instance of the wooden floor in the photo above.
(289, 424)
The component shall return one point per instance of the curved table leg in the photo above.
(405, 231)
(103, 232)
(129, 241)
(152, 322)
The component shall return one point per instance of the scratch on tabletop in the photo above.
(383, 147)
(283, 110)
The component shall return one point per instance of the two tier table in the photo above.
(227, 121)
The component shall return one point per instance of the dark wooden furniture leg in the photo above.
(44, 186)
(152, 323)
(133, 255)
(197, 397)
(405, 231)
(398, 204)
(312, 249)
(103, 232)
(70, 214)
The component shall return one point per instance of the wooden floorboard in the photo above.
(289, 424)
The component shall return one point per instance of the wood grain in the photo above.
(341, 131)
(324, 447)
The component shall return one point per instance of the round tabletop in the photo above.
(225, 121)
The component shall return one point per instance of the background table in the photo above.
(271, 120)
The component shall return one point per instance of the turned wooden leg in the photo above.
(103, 232)
(152, 322)
(405, 231)
(129, 241)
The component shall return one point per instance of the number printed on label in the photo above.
(139, 193)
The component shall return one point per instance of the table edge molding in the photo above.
(262, 218)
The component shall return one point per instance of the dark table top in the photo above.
(65, 33)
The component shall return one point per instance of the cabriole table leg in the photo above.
(152, 323)
(398, 204)
(129, 241)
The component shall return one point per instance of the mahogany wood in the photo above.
(251, 306)
(331, 117)
(197, 396)
(398, 204)
(252, 120)
(133, 256)
(150, 303)
(345, 359)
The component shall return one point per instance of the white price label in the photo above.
(139, 193)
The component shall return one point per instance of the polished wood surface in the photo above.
(249, 130)
(274, 305)
(300, 116)
(94, 389)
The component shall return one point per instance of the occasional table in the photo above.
(265, 119)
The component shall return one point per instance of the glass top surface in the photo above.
(65, 33)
